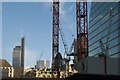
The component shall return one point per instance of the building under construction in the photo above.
(98, 43)
(82, 35)
(95, 49)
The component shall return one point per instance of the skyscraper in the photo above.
(104, 34)
(18, 58)
(22, 51)
(104, 29)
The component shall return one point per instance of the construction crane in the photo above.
(66, 57)
(55, 36)
(82, 29)
(63, 40)
(70, 53)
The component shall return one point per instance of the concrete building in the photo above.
(6, 69)
(43, 64)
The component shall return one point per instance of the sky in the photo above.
(34, 21)
(0, 29)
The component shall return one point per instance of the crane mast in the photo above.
(82, 29)
(55, 35)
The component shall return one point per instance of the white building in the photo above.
(43, 64)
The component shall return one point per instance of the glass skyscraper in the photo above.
(104, 29)
(17, 57)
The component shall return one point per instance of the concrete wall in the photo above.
(112, 66)
(95, 65)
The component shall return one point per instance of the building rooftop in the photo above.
(4, 63)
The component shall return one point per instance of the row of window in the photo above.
(103, 9)
(104, 44)
(110, 43)
(105, 41)
(101, 19)
(94, 4)
(109, 31)
(99, 5)
(104, 20)
(113, 50)
(116, 55)
(102, 27)
(99, 12)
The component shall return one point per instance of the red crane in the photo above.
(82, 29)
(55, 36)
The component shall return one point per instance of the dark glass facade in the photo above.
(104, 26)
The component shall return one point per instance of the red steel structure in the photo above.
(55, 36)
(82, 29)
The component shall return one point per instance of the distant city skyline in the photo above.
(35, 20)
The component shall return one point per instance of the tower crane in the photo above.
(66, 58)
(63, 40)
(55, 37)
(82, 28)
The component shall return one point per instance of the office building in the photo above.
(104, 35)
(18, 59)
(104, 29)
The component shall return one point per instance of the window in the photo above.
(84, 66)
